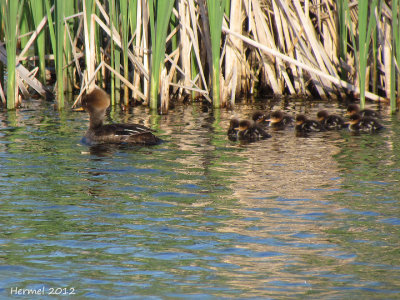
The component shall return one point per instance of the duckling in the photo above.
(96, 103)
(355, 109)
(259, 117)
(233, 129)
(305, 125)
(250, 131)
(279, 120)
(364, 124)
(330, 122)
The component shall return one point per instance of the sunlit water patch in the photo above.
(198, 216)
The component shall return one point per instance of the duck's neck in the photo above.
(96, 120)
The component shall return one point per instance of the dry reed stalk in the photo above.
(304, 66)
(235, 47)
(262, 35)
(184, 45)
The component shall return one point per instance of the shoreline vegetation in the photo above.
(151, 52)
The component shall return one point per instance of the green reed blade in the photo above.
(160, 12)
(37, 8)
(69, 77)
(215, 16)
(395, 56)
(115, 54)
(125, 39)
(48, 6)
(11, 11)
(366, 23)
(59, 54)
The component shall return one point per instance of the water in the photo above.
(197, 217)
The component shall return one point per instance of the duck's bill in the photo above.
(79, 109)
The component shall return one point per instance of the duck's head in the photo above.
(233, 123)
(354, 119)
(276, 117)
(258, 117)
(96, 102)
(245, 124)
(322, 115)
(300, 119)
(352, 109)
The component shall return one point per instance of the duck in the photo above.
(303, 124)
(357, 123)
(251, 131)
(259, 117)
(96, 103)
(233, 129)
(279, 120)
(355, 109)
(330, 122)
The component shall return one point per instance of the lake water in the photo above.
(199, 216)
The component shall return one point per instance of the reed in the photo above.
(38, 13)
(216, 10)
(343, 15)
(396, 56)
(366, 23)
(11, 10)
(58, 50)
(115, 53)
(159, 12)
(3, 100)
(283, 47)
(125, 13)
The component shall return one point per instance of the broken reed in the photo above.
(137, 41)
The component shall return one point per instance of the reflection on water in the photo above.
(198, 216)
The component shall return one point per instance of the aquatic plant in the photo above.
(216, 10)
(10, 11)
(160, 11)
(216, 50)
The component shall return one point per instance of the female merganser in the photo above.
(96, 103)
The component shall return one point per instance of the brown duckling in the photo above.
(259, 117)
(330, 122)
(233, 129)
(353, 109)
(363, 124)
(250, 131)
(279, 120)
(95, 103)
(305, 125)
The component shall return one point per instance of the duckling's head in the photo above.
(352, 109)
(354, 119)
(276, 116)
(96, 101)
(258, 117)
(322, 115)
(300, 119)
(233, 123)
(245, 124)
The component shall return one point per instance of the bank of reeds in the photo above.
(154, 51)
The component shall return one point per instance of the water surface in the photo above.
(199, 216)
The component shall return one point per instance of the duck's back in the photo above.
(122, 133)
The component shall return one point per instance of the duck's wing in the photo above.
(128, 133)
